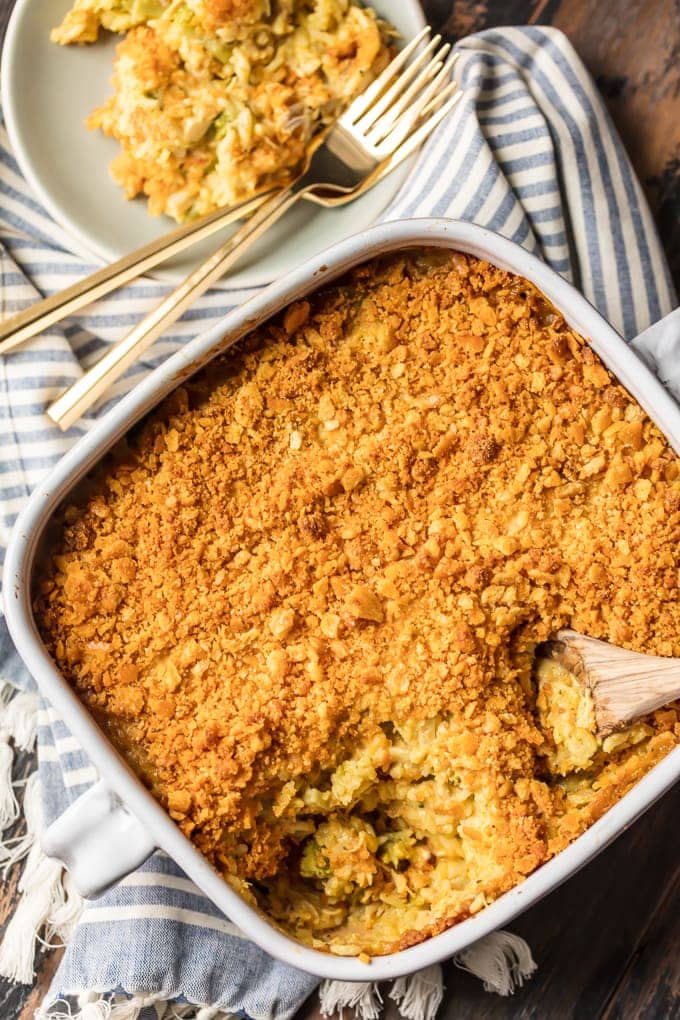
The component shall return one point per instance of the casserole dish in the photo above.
(99, 838)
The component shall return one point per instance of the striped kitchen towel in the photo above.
(530, 153)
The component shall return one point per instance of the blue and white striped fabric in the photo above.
(530, 153)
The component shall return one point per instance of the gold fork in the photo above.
(403, 105)
(45, 313)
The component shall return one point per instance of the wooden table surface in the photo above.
(608, 941)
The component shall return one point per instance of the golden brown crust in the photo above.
(369, 515)
(219, 13)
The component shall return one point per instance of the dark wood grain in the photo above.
(608, 941)
(632, 49)
(650, 986)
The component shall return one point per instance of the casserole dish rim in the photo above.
(629, 370)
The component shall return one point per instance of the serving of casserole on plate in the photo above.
(302, 596)
(214, 99)
(199, 102)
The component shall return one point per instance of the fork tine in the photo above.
(376, 109)
(423, 132)
(434, 70)
(450, 63)
(440, 98)
(370, 94)
(388, 139)
(442, 85)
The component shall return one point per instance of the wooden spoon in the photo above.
(625, 685)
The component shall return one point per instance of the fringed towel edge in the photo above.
(48, 900)
(419, 996)
(363, 997)
(18, 727)
(107, 1006)
(502, 960)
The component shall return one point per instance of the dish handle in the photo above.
(659, 347)
(98, 840)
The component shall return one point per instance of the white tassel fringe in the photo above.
(45, 900)
(95, 1006)
(18, 722)
(39, 886)
(98, 1006)
(420, 995)
(362, 996)
(9, 807)
(14, 850)
(65, 911)
(20, 719)
(503, 961)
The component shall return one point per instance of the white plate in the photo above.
(48, 91)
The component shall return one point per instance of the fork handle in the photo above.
(78, 398)
(43, 314)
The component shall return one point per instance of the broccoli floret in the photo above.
(396, 848)
(313, 863)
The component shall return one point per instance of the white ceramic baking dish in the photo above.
(117, 824)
